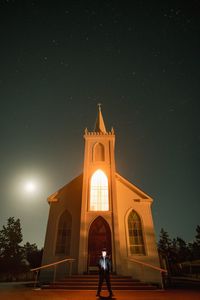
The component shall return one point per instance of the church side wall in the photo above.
(69, 199)
(128, 200)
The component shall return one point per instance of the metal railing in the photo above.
(68, 260)
(144, 264)
(71, 260)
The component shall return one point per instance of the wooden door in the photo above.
(99, 238)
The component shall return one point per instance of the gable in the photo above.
(137, 194)
(71, 188)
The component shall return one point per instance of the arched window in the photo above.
(99, 191)
(63, 241)
(98, 152)
(136, 242)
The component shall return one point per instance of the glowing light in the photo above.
(99, 191)
(30, 186)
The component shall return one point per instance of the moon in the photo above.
(30, 187)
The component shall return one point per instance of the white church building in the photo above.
(98, 209)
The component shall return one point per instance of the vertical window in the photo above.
(99, 191)
(64, 234)
(98, 152)
(136, 242)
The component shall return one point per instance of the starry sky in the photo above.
(141, 60)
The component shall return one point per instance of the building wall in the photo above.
(69, 197)
(128, 200)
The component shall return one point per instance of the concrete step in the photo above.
(90, 282)
(94, 288)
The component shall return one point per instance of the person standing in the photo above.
(104, 265)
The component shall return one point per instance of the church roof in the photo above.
(100, 126)
(133, 187)
(74, 188)
(71, 188)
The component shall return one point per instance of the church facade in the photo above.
(101, 209)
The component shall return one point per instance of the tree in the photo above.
(195, 246)
(10, 249)
(32, 254)
(165, 242)
(197, 236)
(166, 248)
(182, 249)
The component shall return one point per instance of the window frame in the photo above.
(66, 241)
(128, 237)
(106, 189)
(94, 154)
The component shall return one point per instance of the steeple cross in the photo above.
(99, 106)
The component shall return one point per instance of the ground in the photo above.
(18, 292)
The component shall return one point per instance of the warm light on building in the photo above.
(99, 192)
(95, 211)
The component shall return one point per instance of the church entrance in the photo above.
(99, 238)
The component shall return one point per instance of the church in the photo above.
(101, 209)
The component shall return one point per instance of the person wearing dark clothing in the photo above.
(104, 265)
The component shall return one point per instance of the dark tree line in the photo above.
(15, 258)
(177, 250)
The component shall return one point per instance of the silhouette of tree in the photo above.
(165, 247)
(197, 236)
(182, 249)
(165, 243)
(177, 250)
(195, 246)
(10, 249)
(32, 254)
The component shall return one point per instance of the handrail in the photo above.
(53, 264)
(148, 265)
(55, 267)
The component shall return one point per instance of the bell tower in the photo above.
(98, 224)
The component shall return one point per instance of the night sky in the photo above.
(58, 59)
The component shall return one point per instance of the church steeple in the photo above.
(100, 126)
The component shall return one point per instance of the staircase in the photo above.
(90, 282)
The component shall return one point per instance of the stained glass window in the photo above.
(136, 242)
(64, 234)
(99, 191)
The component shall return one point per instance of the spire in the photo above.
(100, 126)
